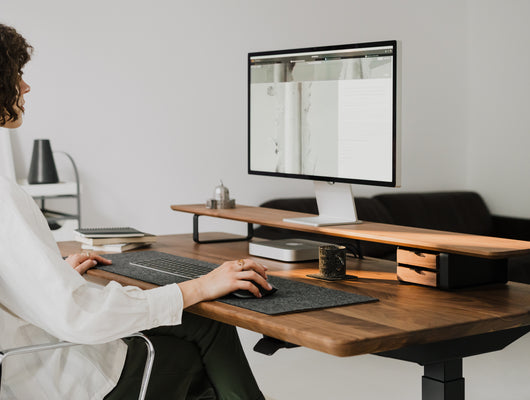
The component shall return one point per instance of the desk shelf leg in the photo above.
(443, 381)
(250, 233)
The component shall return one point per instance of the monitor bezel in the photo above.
(396, 85)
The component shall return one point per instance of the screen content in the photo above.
(325, 113)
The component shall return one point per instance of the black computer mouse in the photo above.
(245, 294)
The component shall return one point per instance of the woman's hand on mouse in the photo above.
(228, 277)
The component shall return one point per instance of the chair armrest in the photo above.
(148, 363)
(51, 346)
(511, 227)
(33, 349)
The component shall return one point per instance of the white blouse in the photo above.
(43, 299)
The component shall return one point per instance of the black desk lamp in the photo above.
(42, 168)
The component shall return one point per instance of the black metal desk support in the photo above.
(268, 345)
(443, 381)
(442, 361)
(250, 233)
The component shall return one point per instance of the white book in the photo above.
(115, 248)
(114, 240)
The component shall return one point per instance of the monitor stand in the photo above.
(335, 206)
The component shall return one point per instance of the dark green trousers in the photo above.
(199, 359)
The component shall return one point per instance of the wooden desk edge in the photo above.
(283, 327)
(253, 321)
(261, 323)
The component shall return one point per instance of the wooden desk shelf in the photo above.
(466, 255)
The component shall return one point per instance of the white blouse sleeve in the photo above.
(40, 287)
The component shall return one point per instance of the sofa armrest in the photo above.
(511, 227)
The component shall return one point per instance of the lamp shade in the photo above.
(42, 168)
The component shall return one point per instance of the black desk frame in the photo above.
(442, 361)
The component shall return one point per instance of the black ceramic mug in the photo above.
(332, 261)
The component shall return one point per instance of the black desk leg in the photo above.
(442, 361)
(250, 233)
(443, 381)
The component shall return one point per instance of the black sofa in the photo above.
(457, 211)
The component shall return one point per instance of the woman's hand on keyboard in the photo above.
(228, 277)
(82, 262)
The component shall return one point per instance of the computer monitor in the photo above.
(329, 114)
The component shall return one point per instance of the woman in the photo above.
(43, 298)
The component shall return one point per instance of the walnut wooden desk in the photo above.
(434, 328)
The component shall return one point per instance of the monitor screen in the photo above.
(325, 113)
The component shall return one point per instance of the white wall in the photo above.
(150, 98)
(499, 102)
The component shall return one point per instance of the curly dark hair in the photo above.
(15, 52)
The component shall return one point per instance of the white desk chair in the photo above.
(51, 346)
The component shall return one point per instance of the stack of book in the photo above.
(113, 239)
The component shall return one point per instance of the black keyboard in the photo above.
(182, 267)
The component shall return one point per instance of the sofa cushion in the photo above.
(298, 204)
(463, 212)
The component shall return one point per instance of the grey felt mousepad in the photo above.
(291, 295)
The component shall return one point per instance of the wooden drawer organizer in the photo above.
(448, 271)
(417, 267)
